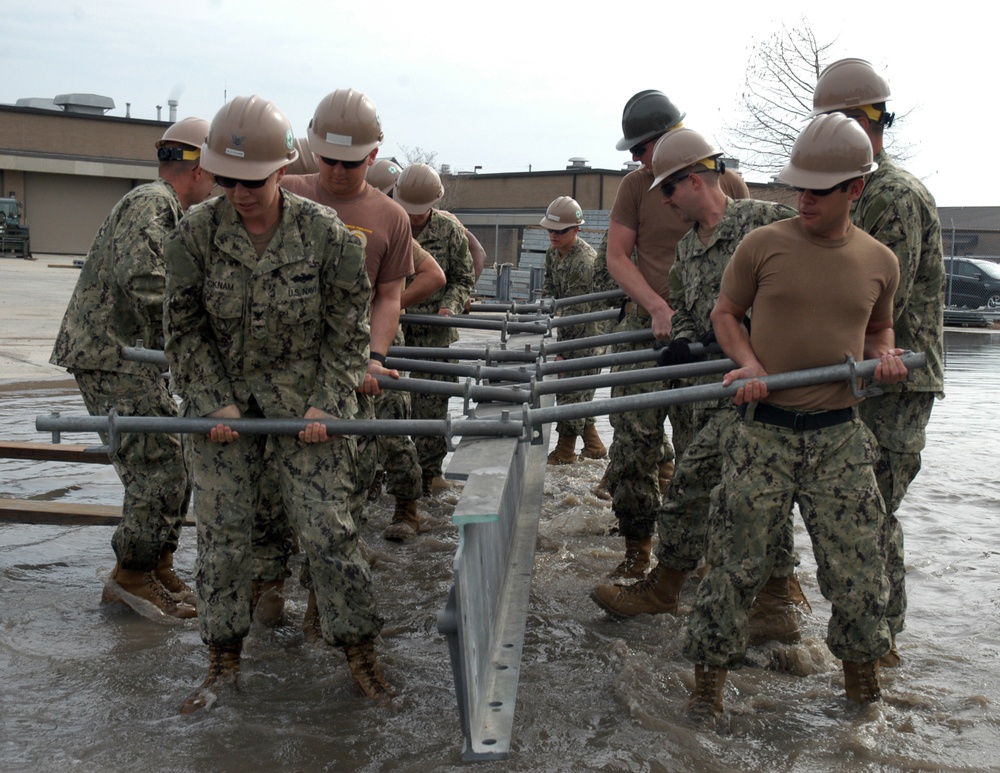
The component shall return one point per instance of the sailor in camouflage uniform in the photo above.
(819, 289)
(267, 316)
(418, 189)
(118, 301)
(688, 172)
(899, 212)
(569, 271)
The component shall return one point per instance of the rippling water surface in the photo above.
(95, 688)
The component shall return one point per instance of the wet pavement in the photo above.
(93, 687)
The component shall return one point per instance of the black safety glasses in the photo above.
(345, 164)
(230, 182)
(825, 191)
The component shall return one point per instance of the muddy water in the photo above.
(94, 688)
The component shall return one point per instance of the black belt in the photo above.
(766, 413)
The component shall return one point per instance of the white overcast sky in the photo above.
(508, 85)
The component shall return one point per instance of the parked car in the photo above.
(972, 283)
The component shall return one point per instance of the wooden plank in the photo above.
(58, 513)
(62, 513)
(53, 452)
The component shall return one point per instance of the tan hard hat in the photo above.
(345, 126)
(562, 213)
(647, 114)
(384, 174)
(830, 150)
(190, 131)
(847, 84)
(249, 139)
(418, 189)
(678, 149)
(306, 162)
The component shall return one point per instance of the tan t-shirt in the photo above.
(658, 227)
(378, 221)
(811, 301)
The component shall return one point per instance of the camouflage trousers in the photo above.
(576, 426)
(898, 421)
(683, 520)
(151, 465)
(829, 473)
(274, 539)
(638, 447)
(397, 453)
(431, 450)
(316, 482)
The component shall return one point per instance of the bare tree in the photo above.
(777, 96)
(417, 155)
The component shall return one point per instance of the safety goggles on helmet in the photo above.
(178, 154)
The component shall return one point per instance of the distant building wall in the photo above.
(68, 170)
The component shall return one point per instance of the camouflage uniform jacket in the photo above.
(289, 329)
(444, 238)
(569, 276)
(697, 271)
(119, 296)
(898, 211)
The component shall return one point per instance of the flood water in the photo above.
(91, 687)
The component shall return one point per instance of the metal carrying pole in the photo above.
(531, 419)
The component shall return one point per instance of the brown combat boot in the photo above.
(310, 621)
(664, 475)
(636, 561)
(773, 616)
(168, 578)
(891, 659)
(659, 592)
(268, 602)
(601, 490)
(435, 484)
(705, 704)
(593, 447)
(405, 521)
(796, 595)
(137, 589)
(223, 674)
(565, 450)
(375, 489)
(861, 682)
(366, 672)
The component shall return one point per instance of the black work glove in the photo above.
(677, 352)
(709, 338)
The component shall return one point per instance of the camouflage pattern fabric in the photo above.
(290, 329)
(274, 336)
(315, 481)
(273, 540)
(694, 287)
(118, 298)
(396, 453)
(117, 301)
(445, 240)
(565, 277)
(639, 445)
(898, 421)
(829, 474)
(151, 465)
(898, 210)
